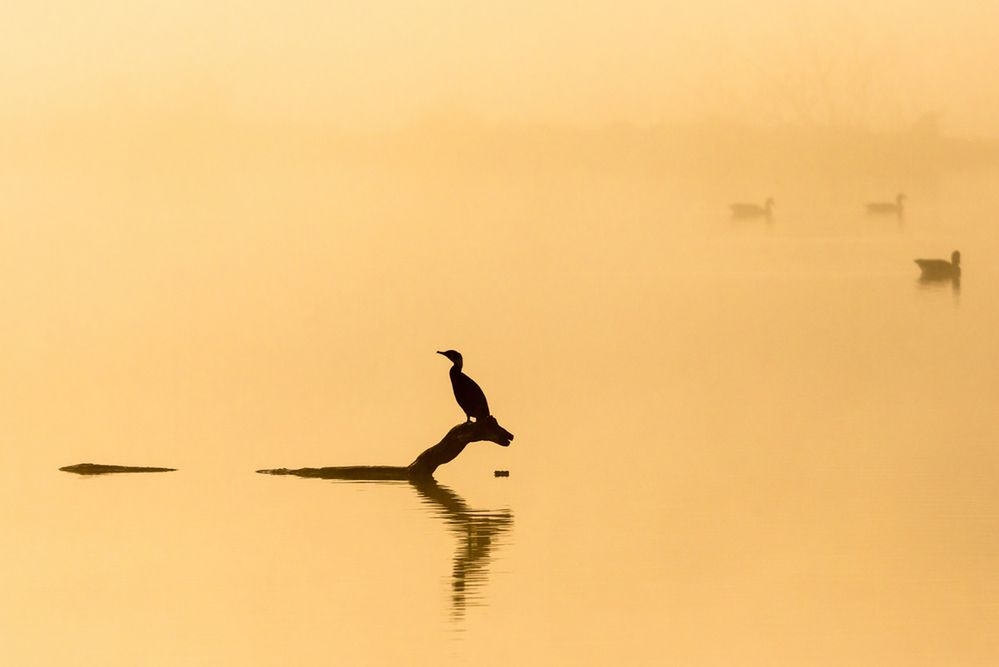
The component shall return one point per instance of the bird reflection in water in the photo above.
(477, 532)
(941, 283)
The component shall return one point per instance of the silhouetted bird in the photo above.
(887, 207)
(468, 394)
(740, 210)
(941, 269)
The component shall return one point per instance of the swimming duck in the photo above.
(741, 210)
(886, 207)
(941, 269)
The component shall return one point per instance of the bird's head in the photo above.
(955, 258)
(900, 197)
(453, 355)
(769, 203)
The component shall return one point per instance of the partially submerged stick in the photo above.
(102, 469)
(445, 451)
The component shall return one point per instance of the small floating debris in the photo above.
(102, 469)
(501, 473)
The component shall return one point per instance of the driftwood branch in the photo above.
(445, 451)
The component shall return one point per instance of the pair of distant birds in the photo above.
(743, 210)
(469, 395)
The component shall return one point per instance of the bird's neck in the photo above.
(456, 369)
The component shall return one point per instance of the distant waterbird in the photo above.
(941, 269)
(743, 210)
(896, 207)
(469, 395)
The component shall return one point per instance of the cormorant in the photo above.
(941, 269)
(881, 207)
(468, 394)
(753, 210)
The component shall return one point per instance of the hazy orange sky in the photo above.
(371, 64)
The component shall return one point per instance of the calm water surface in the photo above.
(736, 443)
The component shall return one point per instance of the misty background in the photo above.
(360, 65)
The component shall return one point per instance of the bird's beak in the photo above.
(439, 352)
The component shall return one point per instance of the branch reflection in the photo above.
(477, 532)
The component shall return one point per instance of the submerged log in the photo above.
(102, 469)
(445, 451)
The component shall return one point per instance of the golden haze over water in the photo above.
(233, 238)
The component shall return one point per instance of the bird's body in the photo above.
(741, 210)
(469, 395)
(941, 269)
(896, 207)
